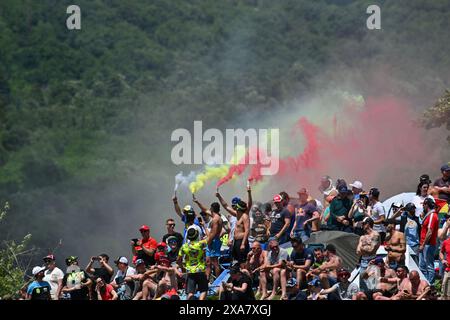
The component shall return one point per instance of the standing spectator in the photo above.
(238, 286)
(259, 229)
(410, 225)
(105, 291)
(444, 256)
(105, 271)
(76, 282)
(377, 213)
(339, 209)
(144, 248)
(358, 212)
(193, 254)
(327, 189)
(428, 240)
(286, 203)
(280, 219)
(170, 225)
(39, 289)
(367, 248)
(213, 233)
(122, 282)
(301, 260)
(188, 217)
(306, 213)
(443, 184)
(357, 189)
(421, 194)
(275, 267)
(54, 276)
(395, 246)
(173, 248)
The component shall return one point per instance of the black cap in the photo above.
(410, 207)
(445, 167)
(235, 268)
(430, 203)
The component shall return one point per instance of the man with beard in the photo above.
(327, 271)
(301, 260)
(412, 287)
(255, 259)
(396, 245)
(367, 248)
(387, 284)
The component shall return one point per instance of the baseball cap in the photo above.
(410, 207)
(138, 262)
(171, 239)
(37, 269)
(121, 260)
(315, 282)
(445, 167)
(235, 268)
(277, 198)
(71, 259)
(357, 184)
(49, 257)
(302, 191)
(144, 228)
(188, 208)
(192, 233)
(235, 200)
(343, 189)
(161, 245)
(161, 258)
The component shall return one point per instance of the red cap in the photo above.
(161, 258)
(144, 228)
(161, 244)
(277, 198)
(50, 257)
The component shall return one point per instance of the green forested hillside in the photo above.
(86, 116)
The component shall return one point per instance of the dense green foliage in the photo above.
(86, 116)
(12, 261)
(439, 114)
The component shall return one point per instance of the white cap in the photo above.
(37, 269)
(357, 184)
(122, 260)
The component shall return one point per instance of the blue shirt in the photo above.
(42, 286)
(412, 233)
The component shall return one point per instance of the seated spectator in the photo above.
(413, 288)
(238, 287)
(327, 271)
(315, 290)
(255, 259)
(124, 286)
(39, 289)
(105, 291)
(301, 260)
(275, 268)
(343, 289)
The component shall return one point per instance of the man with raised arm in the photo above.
(213, 237)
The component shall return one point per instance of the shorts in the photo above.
(213, 250)
(237, 253)
(332, 280)
(196, 282)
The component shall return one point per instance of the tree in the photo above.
(439, 114)
(12, 258)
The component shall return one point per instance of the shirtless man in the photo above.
(241, 246)
(255, 259)
(388, 281)
(412, 288)
(396, 246)
(328, 270)
(213, 234)
(367, 248)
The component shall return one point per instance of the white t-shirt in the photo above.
(52, 278)
(130, 271)
(377, 212)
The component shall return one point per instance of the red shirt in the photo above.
(149, 244)
(446, 250)
(106, 295)
(431, 222)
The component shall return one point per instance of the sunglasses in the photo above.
(171, 224)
